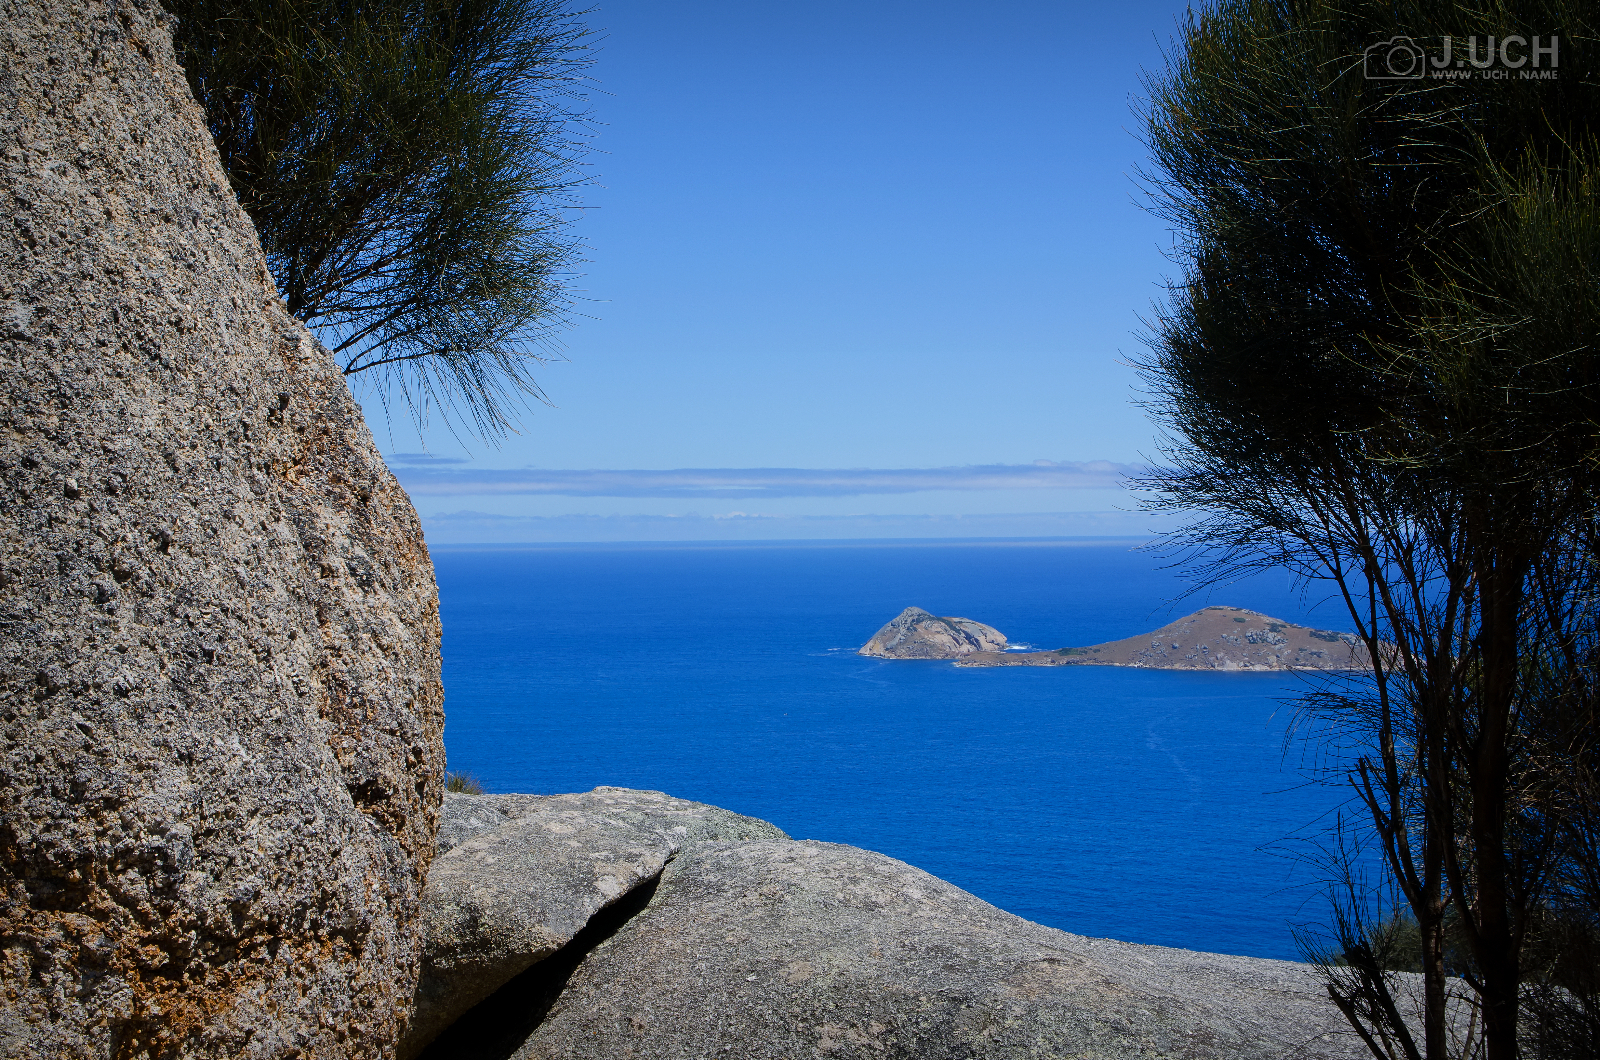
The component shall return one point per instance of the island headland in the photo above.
(1213, 638)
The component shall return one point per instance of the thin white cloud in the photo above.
(431, 479)
(467, 527)
(425, 459)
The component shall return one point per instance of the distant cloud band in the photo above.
(466, 527)
(425, 476)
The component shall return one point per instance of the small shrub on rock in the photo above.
(465, 783)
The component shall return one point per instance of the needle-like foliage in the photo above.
(408, 165)
(1378, 370)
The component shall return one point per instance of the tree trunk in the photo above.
(1435, 1044)
(1494, 943)
(1439, 836)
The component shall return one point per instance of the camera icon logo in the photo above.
(1396, 59)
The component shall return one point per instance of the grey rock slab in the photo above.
(220, 707)
(523, 874)
(917, 634)
(463, 816)
(780, 950)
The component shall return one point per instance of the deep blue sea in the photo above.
(1144, 805)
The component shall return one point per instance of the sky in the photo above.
(893, 256)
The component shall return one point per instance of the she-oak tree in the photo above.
(408, 165)
(1378, 370)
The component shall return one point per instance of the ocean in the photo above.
(1152, 806)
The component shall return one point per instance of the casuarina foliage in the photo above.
(409, 166)
(1378, 369)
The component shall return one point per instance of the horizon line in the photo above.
(426, 475)
(802, 542)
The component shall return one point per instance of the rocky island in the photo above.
(918, 634)
(1213, 638)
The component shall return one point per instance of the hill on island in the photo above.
(1213, 638)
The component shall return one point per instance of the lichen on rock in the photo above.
(219, 680)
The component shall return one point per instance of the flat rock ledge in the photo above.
(918, 634)
(518, 876)
(757, 946)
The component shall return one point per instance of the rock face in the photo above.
(775, 949)
(523, 874)
(1214, 638)
(219, 684)
(916, 634)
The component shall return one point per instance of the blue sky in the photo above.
(880, 236)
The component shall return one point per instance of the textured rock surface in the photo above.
(464, 816)
(219, 682)
(1213, 638)
(781, 949)
(525, 873)
(916, 634)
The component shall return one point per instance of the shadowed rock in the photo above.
(916, 634)
(219, 684)
(525, 873)
(780, 949)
